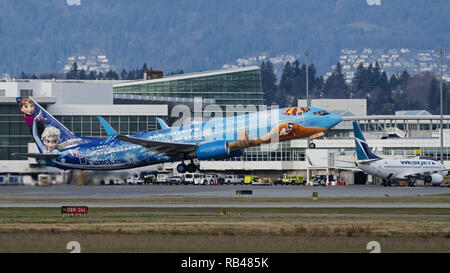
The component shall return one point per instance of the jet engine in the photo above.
(217, 149)
(434, 178)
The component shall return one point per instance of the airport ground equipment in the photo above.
(265, 181)
(293, 180)
(149, 178)
(250, 178)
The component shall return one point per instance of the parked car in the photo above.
(176, 179)
(135, 179)
(210, 179)
(198, 179)
(233, 179)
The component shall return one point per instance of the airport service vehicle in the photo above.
(393, 169)
(212, 140)
(210, 179)
(249, 179)
(189, 178)
(293, 180)
(135, 179)
(198, 179)
(162, 178)
(266, 181)
(176, 179)
(233, 179)
(149, 178)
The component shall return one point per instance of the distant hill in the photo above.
(37, 36)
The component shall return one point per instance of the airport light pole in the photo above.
(442, 117)
(308, 104)
(308, 100)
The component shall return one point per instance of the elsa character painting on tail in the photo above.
(50, 138)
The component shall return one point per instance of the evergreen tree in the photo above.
(335, 86)
(434, 99)
(404, 79)
(92, 75)
(268, 82)
(287, 78)
(299, 83)
(144, 68)
(393, 82)
(82, 75)
(383, 83)
(73, 73)
(123, 74)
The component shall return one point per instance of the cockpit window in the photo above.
(321, 113)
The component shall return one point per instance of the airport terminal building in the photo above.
(131, 106)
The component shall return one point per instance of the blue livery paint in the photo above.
(215, 139)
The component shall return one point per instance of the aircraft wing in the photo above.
(37, 155)
(417, 175)
(367, 161)
(162, 147)
(310, 163)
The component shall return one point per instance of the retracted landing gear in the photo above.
(181, 168)
(191, 167)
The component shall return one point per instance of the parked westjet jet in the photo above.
(390, 169)
(215, 139)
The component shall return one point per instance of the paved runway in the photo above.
(214, 191)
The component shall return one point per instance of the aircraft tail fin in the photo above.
(162, 124)
(43, 125)
(363, 151)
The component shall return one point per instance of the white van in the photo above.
(198, 178)
(189, 178)
(162, 178)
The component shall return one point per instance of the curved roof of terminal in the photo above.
(412, 113)
(342, 113)
(190, 75)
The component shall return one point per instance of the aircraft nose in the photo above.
(333, 119)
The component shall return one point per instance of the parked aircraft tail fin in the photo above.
(363, 151)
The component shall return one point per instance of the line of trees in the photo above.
(80, 74)
(384, 95)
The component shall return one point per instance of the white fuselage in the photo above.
(402, 168)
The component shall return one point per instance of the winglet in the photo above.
(162, 123)
(109, 130)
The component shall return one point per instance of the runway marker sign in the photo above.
(74, 210)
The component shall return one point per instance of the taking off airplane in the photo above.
(215, 139)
